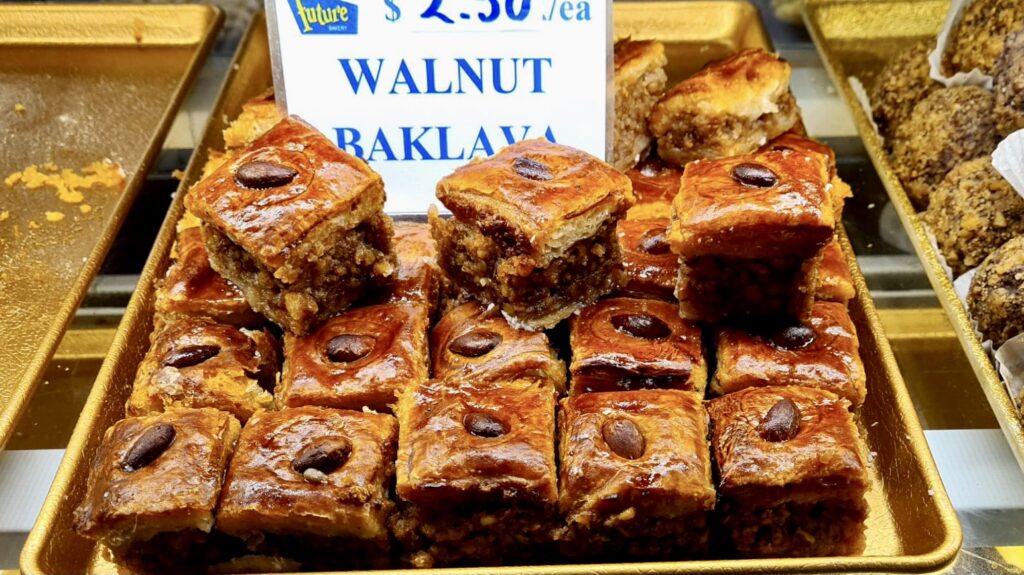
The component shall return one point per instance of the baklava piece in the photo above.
(418, 277)
(259, 115)
(474, 343)
(947, 128)
(639, 82)
(1009, 85)
(153, 488)
(533, 230)
(749, 232)
(192, 289)
(651, 267)
(476, 473)
(822, 352)
(635, 475)
(791, 473)
(364, 357)
(312, 484)
(731, 107)
(296, 224)
(972, 212)
(902, 83)
(197, 362)
(996, 297)
(838, 189)
(977, 39)
(627, 344)
(834, 281)
(655, 185)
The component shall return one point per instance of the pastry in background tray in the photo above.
(948, 127)
(655, 185)
(363, 358)
(1009, 85)
(635, 475)
(791, 473)
(476, 472)
(312, 484)
(533, 230)
(197, 362)
(902, 83)
(976, 41)
(626, 343)
(639, 82)
(731, 107)
(297, 224)
(651, 267)
(972, 212)
(417, 277)
(475, 343)
(821, 352)
(996, 297)
(154, 485)
(192, 289)
(258, 115)
(834, 282)
(749, 232)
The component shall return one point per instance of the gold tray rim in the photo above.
(940, 556)
(991, 384)
(12, 410)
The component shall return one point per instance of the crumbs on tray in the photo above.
(70, 185)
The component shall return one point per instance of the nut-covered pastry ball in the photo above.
(902, 83)
(948, 127)
(977, 39)
(972, 212)
(1009, 85)
(996, 297)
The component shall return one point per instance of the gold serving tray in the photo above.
(79, 84)
(911, 525)
(857, 38)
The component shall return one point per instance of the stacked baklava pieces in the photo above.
(707, 409)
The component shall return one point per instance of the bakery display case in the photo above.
(596, 414)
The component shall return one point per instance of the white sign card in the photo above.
(419, 87)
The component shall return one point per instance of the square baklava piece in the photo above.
(635, 475)
(472, 342)
(312, 484)
(476, 473)
(791, 473)
(297, 224)
(625, 343)
(650, 266)
(821, 352)
(834, 280)
(153, 487)
(793, 141)
(363, 358)
(197, 362)
(533, 230)
(749, 232)
(639, 82)
(655, 185)
(731, 107)
(192, 289)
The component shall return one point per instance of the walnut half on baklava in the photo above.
(297, 224)
(533, 230)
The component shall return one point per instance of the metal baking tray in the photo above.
(911, 526)
(80, 84)
(857, 38)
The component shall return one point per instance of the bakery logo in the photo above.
(325, 16)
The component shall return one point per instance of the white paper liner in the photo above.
(1008, 160)
(1010, 362)
(973, 78)
(861, 94)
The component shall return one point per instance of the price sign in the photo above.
(419, 87)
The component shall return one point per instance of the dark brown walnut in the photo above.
(654, 242)
(754, 175)
(190, 355)
(781, 423)
(793, 337)
(349, 347)
(148, 447)
(264, 175)
(641, 325)
(624, 438)
(475, 343)
(531, 169)
(484, 424)
(324, 456)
